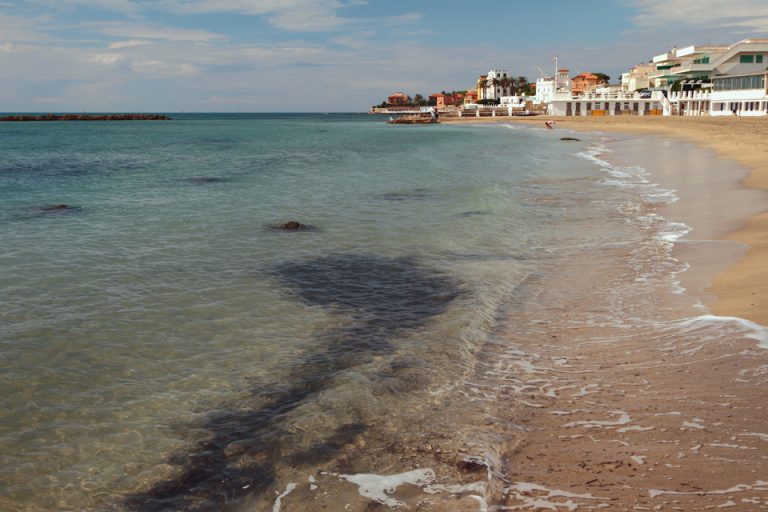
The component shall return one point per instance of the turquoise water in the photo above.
(163, 348)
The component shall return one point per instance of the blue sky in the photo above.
(325, 55)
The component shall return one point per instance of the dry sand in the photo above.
(633, 420)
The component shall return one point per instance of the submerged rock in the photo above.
(569, 138)
(58, 208)
(204, 180)
(292, 225)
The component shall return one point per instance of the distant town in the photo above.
(691, 81)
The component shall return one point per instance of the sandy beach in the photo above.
(654, 419)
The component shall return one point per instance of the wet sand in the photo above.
(668, 411)
(743, 289)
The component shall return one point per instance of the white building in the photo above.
(742, 95)
(497, 83)
(714, 80)
(608, 104)
(546, 87)
(706, 62)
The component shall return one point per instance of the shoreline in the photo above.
(630, 397)
(741, 289)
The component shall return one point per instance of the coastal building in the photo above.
(742, 95)
(546, 87)
(585, 82)
(610, 103)
(470, 96)
(706, 62)
(714, 80)
(438, 100)
(494, 85)
(397, 99)
(637, 78)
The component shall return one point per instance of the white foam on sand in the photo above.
(381, 487)
(751, 330)
(278, 502)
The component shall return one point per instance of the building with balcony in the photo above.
(707, 62)
(546, 87)
(637, 77)
(494, 85)
(585, 82)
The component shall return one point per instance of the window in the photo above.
(759, 59)
(737, 83)
(746, 59)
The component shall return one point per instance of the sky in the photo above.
(325, 55)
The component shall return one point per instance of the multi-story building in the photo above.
(714, 80)
(637, 78)
(546, 87)
(706, 62)
(585, 82)
(397, 98)
(494, 85)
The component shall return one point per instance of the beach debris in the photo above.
(569, 138)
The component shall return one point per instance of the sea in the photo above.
(166, 345)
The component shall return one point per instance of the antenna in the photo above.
(541, 72)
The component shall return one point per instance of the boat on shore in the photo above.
(414, 119)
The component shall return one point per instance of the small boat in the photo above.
(413, 119)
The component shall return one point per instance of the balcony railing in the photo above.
(689, 95)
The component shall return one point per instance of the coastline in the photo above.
(741, 290)
(662, 411)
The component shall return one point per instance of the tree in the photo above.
(419, 100)
(602, 76)
(521, 84)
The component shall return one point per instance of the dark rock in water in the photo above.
(204, 180)
(472, 213)
(293, 225)
(569, 138)
(58, 208)
(410, 195)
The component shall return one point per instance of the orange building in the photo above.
(470, 96)
(439, 99)
(585, 82)
(397, 98)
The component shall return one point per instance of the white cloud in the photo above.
(298, 15)
(121, 6)
(15, 28)
(158, 68)
(749, 14)
(128, 44)
(107, 59)
(139, 31)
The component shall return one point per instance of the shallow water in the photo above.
(164, 349)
